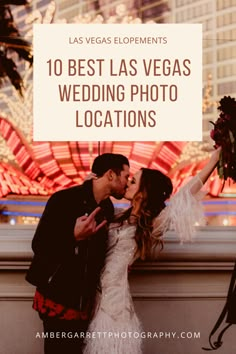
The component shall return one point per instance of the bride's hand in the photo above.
(91, 175)
(216, 155)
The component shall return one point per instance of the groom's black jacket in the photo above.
(62, 269)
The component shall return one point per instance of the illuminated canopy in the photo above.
(56, 165)
(49, 166)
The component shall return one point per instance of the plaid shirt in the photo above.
(47, 307)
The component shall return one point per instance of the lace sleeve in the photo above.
(183, 212)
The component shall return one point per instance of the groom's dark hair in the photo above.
(109, 161)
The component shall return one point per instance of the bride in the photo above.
(133, 235)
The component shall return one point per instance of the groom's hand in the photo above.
(86, 225)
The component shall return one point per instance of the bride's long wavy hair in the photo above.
(154, 189)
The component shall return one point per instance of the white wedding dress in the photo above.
(115, 318)
(115, 327)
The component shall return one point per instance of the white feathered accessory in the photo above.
(183, 212)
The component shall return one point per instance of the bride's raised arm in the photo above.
(205, 173)
(185, 208)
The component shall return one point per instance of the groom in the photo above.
(69, 250)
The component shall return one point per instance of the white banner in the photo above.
(112, 82)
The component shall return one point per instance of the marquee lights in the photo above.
(59, 165)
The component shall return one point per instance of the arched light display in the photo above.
(56, 165)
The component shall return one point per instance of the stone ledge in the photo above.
(212, 248)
